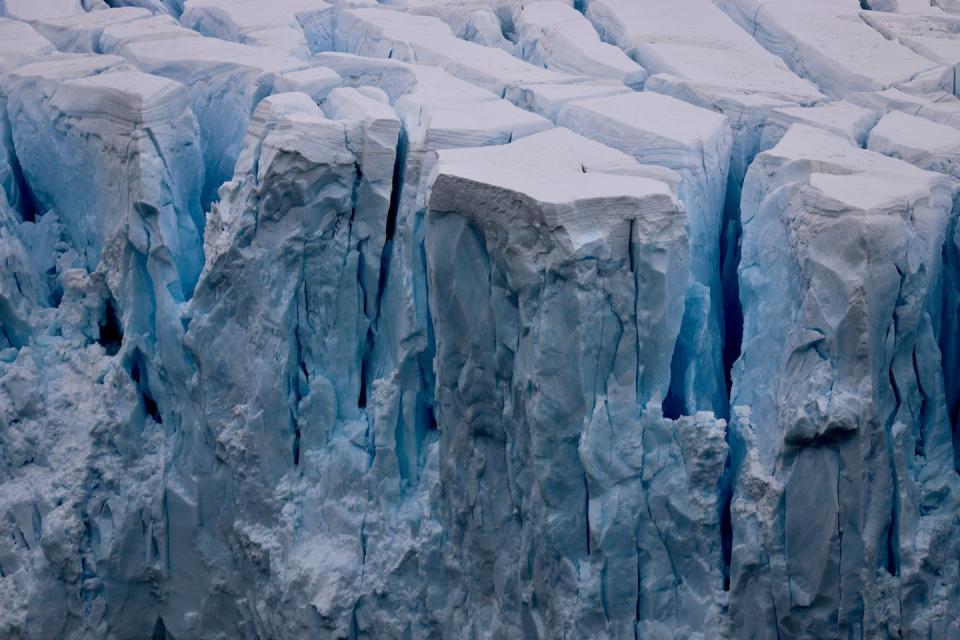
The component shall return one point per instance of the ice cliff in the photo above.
(482, 319)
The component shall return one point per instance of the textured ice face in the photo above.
(696, 143)
(480, 318)
(848, 414)
(552, 288)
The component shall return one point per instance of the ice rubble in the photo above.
(351, 320)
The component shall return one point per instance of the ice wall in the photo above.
(482, 318)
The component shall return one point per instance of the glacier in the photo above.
(482, 319)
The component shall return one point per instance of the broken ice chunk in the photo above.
(658, 129)
(922, 143)
(557, 36)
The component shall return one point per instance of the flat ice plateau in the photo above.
(479, 319)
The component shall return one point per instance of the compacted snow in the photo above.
(482, 319)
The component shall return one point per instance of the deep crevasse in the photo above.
(450, 353)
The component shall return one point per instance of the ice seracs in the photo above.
(694, 40)
(842, 118)
(828, 43)
(20, 45)
(657, 129)
(695, 52)
(93, 120)
(933, 35)
(226, 81)
(557, 36)
(427, 40)
(81, 33)
(307, 195)
(563, 277)
(347, 319)
(115, 37)
(245, 21)
(28, 10)
(841, 373)
(920, 142)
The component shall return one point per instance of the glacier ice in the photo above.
(829, 44)
(697, 143)
(279, 29)
(479, 319)
(558, 37)
(563, 279)
(846, 441)
(920, 142)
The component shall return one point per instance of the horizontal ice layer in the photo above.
(562, 200)
(660, 130)
(548, 99)
(426, 40)
(846, 477)
(906, 6)
(485, 22)
(20, 44)
(557, 36)
(245, 21)
(556, 291)
(827, 42)
(922, 143)
(531, 87)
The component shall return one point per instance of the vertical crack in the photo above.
(296, 383)
(730, 236)
(386, 256)
(586, 509)
(138, 373)
(725, 503)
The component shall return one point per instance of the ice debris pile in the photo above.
(479, 319)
